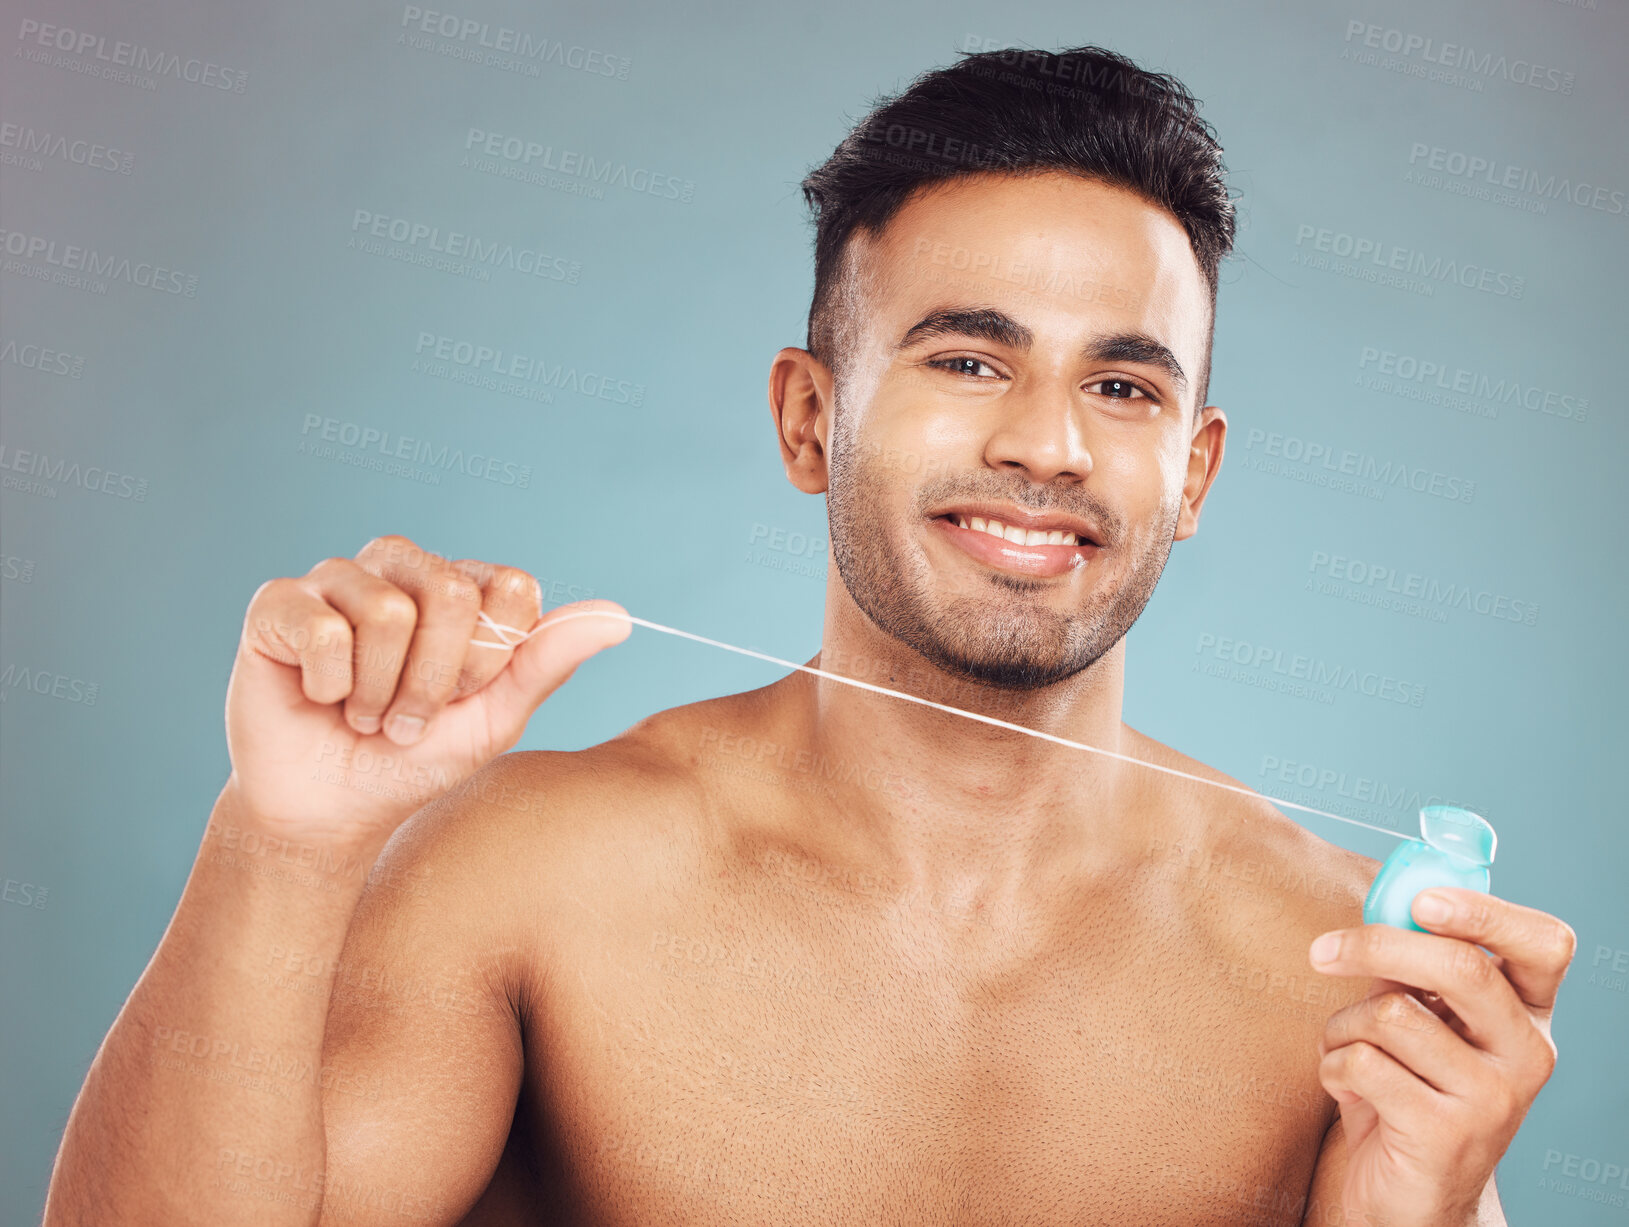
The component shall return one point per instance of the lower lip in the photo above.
(1008, 556)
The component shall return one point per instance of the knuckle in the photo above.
(394, 607)
(1565, 943)
(330, 564)
(512, 581)
(269, 590)
(1479, 915)
(386, 544)
(328, 630)
(1362, 1058)
(481, 572)
(1548, 1055)
(394, 550)
(1392, 1003)
(1337, 1029)
(1394, 1008)
(460, 588)
(267, 599)
(1372, 941)
(1469, 966)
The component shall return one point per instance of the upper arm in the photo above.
(422, 1056)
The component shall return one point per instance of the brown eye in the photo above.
(1119, 389)
(963, 366)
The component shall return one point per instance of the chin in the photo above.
(1025, 653)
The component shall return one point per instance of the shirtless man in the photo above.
(809, 954)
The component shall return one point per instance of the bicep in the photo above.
(423, 1057)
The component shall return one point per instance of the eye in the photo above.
(1120, 389)
(964, 366)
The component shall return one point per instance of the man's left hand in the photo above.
(1432, 1086)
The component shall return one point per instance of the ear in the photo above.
(1204, 462)
(800, 403)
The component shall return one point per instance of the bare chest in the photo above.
(703, 1061)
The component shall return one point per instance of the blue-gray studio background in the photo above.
(222, 310)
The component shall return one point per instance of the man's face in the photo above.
(1024, 354)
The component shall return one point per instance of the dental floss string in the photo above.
(502, 631)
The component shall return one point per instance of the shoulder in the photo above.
(1260, 887)
(1237, 832)
(529, 822)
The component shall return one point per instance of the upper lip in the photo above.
(1018, 517)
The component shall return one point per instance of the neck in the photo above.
(952, 807)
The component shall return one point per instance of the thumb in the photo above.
(560, 641)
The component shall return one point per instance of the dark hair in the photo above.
(1085, 111)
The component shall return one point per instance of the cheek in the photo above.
(1169, 471)
(913, 440)
(948, 436)
(1139, 475)
(1173, 473)
(1143, 483)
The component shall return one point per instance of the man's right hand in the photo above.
(357, 696)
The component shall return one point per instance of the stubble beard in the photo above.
(998, 631)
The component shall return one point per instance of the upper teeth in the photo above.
(1018, 536)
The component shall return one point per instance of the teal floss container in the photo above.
(1455, 848)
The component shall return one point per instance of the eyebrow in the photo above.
(989, 324)
(985, 323)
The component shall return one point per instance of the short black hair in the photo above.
(1084, 111)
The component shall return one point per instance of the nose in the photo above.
(1040, 433)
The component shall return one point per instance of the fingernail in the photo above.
(1432, 908)
(365, 724)
(404, 730)
(1326, 949)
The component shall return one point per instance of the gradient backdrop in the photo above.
(1419, 479)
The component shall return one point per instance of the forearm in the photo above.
(204, 1104)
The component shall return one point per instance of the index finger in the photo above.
(1534, 947)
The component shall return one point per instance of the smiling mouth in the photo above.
(1013, 533)
(1048, 547)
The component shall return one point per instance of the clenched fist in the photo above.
(364, 689)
